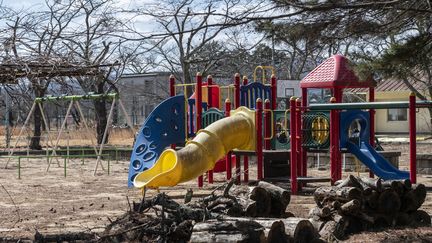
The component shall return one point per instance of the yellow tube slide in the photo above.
(202, 153)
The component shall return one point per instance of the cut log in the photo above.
(413, 199)
(69, 237)
(403, 219)
(354, 225)
(333, 193)
(228, 231)
(383, 220)
(392, 183)
(335, 205)
(420, 218)
(262, 200)
(300, 229)
(251, 210)
(396, 185)
(318, 224)
(372, 200)
(334, 229)
(297, 229)
(351, 208)
(271, 200)
(320, 213)
(350, 181)
(274, 231)
(374, 183)
(389, 202)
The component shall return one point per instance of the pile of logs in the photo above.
(264, 200)
(254, 214)
(232, 214)
(356, 204)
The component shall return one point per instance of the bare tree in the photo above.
(191, 28)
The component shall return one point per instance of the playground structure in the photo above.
(253, 130)
(52, 147)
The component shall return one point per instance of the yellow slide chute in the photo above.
(202, 153)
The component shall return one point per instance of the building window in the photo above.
(397, 115)
(289, 92)
(148, 86)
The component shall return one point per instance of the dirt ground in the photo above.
(51, 203)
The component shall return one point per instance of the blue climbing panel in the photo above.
(252, 91)
(164, 126)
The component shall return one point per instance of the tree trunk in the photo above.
(101, 115)
(37, 119)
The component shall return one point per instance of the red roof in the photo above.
(334, 72)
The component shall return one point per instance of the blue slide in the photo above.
(376, 162)
(359, 145)
(165, 125)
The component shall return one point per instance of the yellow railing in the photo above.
(263, 68)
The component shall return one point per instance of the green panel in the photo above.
(316, 130)
(281, 136)
(211, 115)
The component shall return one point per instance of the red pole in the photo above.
(259, 134)
(267, 124)
(293, 141)
(237, 105)
(303, 150)
(228, 156)
(333, 141)
(412, 138)
(209, 91)
(299, 140)
(245, 158)
(237, 90)
(338, 157)
(198, 107)
(209, 105)
(172, 93)
(372, 123)
(273, 92)
(172, 85)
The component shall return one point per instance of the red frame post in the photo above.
(293, 141)
(209, 105)
(172, 93)
(299, 139)
(228, 165)
(245, 158)
(198, 107)
(237, 90)
(412, 138)
(209, 92)
(273, 92)
(338, 158)
(267, 124)
(372, 123)
(303, 151)
(259, 137)
(334, 140)
(237, 105)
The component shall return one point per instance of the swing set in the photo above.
(53, 149)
